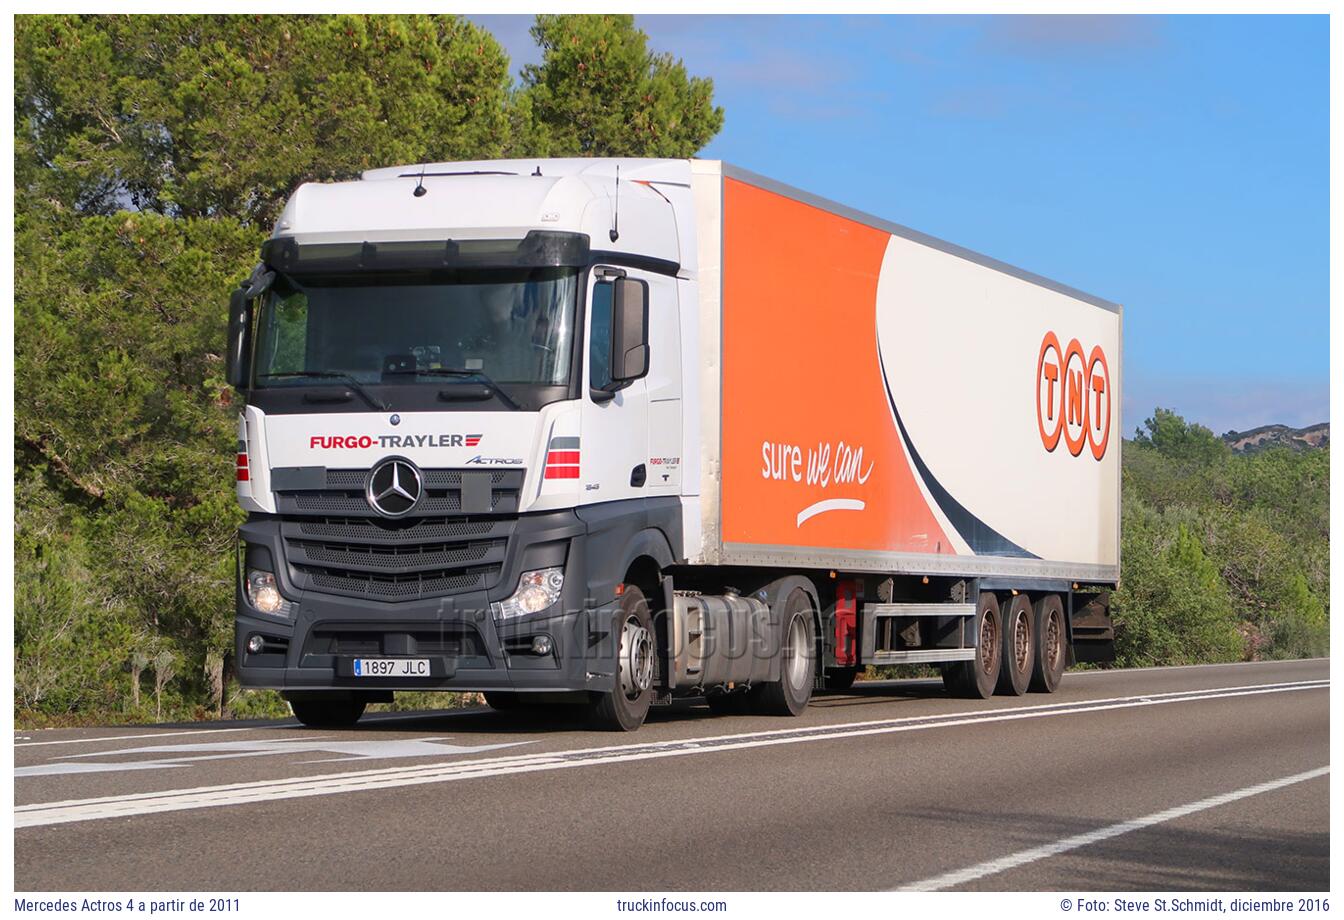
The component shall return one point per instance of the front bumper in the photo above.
(313, 649)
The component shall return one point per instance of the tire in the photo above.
(502, 700)
(789, 695)
(327, 713)
(841, 678)
(976, 679)
(1017, 639)
(1050, 649)
(625, 707)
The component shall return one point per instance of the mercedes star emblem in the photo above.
(394, 487)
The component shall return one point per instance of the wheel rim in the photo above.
(989, 641)
(1054, 644)
(636, 658)
(795, 652)
(1021, 642)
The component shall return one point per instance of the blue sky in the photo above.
(1178, 165)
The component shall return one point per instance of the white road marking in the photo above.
(193, 731)
(1093, 672)
(1003, 864)
(179, 755)
(45, 813)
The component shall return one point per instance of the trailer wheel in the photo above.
(327, 713)
(626, 706)
(975, 679)
(1050, 653)
(1019, 647)
(841, 678)
(789, 695)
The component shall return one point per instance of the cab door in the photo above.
(613, 460)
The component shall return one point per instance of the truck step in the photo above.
(922, 656)
(920, 610)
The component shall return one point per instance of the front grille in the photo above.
(336, 544)
(401, 587)
(397, 558)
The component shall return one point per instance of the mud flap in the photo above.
(1090, 626)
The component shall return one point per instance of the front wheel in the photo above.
(327, 713)
(789, 695)
(625, 707)
(502, 700)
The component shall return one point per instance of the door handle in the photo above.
(638, 475)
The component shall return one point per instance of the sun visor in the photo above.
(538, 249)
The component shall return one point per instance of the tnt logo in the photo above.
(1073, 397)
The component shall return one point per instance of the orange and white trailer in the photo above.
(920, 422)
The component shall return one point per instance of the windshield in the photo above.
(509, 327)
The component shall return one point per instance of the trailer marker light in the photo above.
(242, 466)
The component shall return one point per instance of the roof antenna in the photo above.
(615, 233)
(420, 183)
(538, 172)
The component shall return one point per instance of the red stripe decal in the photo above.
(561, 472)
(563, 456)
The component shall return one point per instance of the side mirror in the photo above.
(629, 331)
(239, 361)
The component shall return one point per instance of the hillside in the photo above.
(1307, 438)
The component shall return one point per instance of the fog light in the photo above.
(255, 644)
(541, 645)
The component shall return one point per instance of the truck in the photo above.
(614, 432)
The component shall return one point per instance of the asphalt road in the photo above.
(1157, 780)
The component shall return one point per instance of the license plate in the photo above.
(391, 667)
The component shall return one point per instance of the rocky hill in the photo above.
(1278, 435)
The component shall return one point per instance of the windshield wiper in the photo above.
(332, 375)
(463, 373)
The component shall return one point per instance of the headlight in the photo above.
(536, 592)
(264, 594)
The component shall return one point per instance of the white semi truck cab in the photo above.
(573, 431)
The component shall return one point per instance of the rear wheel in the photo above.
(1019, 625)
(1050, 651)
(327, 713)
(627, 705)
(975, 679)
(841, 678)
(789, 695)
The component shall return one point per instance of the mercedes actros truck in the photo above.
(619, 431)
